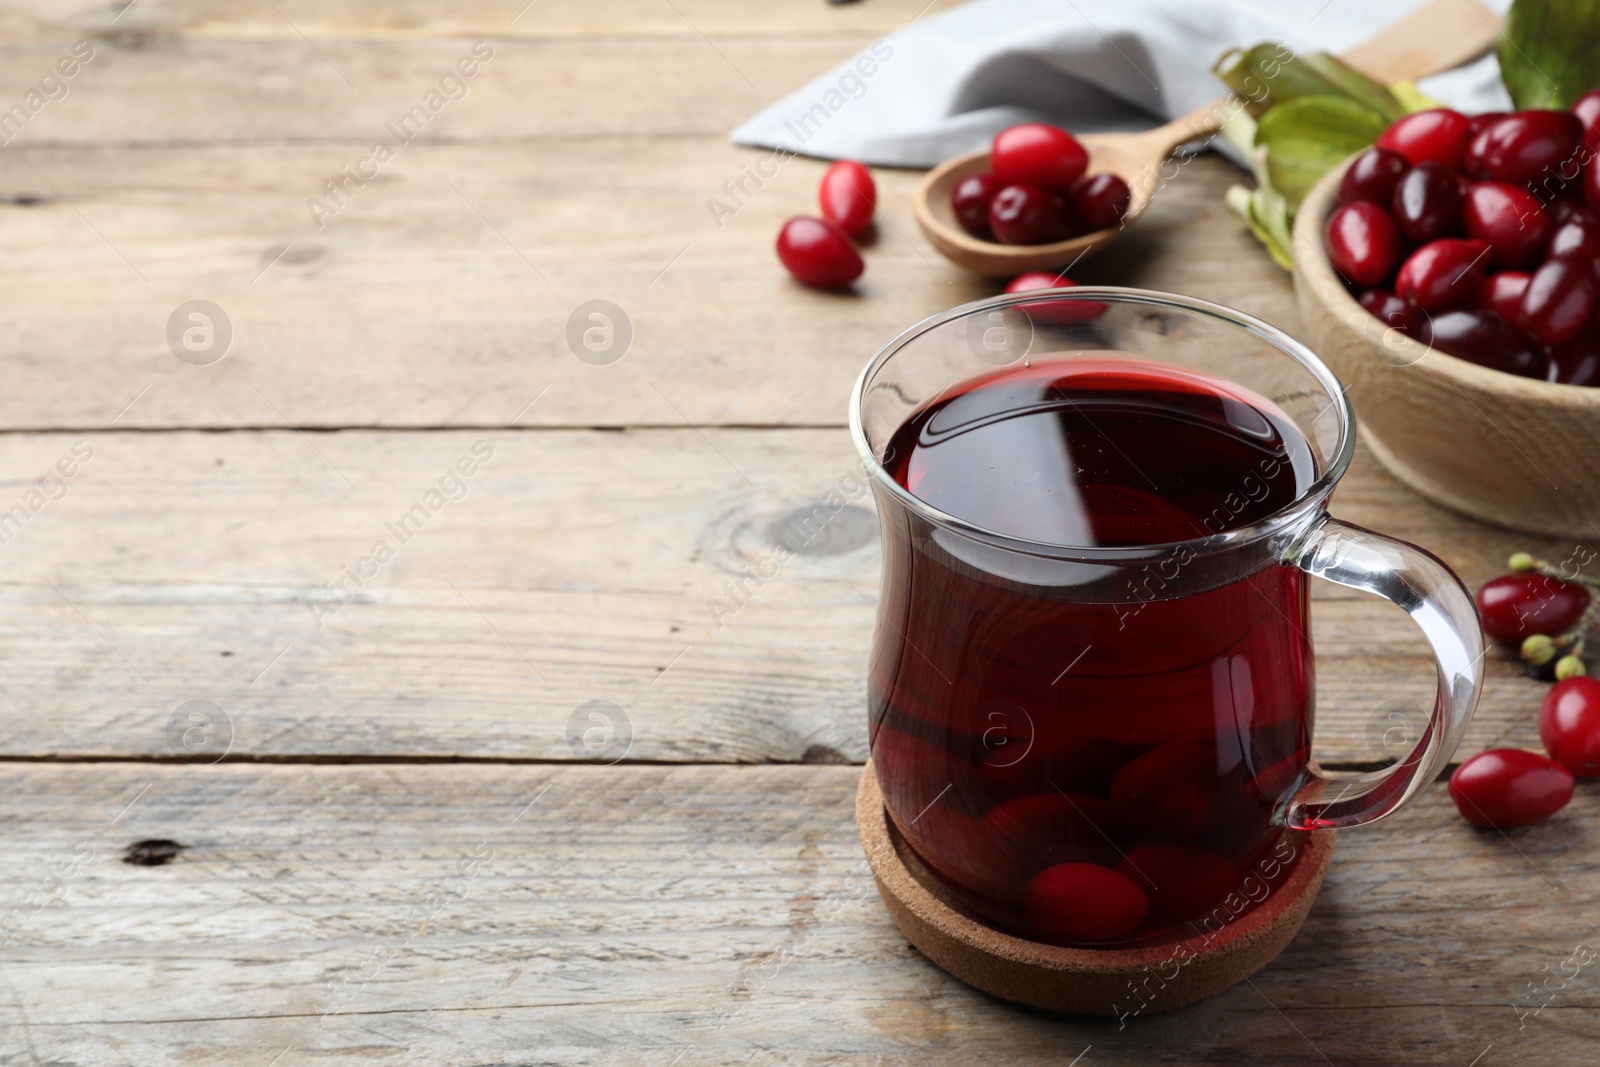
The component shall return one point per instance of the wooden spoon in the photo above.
(1437, 36)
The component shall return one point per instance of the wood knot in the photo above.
(152, 852)
(821, 530)
(825, 754)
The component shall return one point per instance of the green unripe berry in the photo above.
(1538, 649)
(1569, 667)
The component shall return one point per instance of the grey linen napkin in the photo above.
(946, 84)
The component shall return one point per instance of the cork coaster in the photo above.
(1080, 981)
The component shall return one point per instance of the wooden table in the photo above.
(393, 850)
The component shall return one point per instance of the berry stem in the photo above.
(1521, 561)
(1561, 655)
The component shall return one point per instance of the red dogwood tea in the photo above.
(1082, 772)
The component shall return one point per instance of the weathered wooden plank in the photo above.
(637, 914)
(578, 566)
(134, 89)
(410, 308)
(233, 72)
(591, 19)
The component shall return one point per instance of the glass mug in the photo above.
(1091, 688)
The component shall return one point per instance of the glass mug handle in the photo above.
(1432, 595)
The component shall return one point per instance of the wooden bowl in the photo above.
(1121, 982)
(1512, 451)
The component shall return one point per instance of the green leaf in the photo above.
(1354, 85)
(1306, 138)
(1239, 130)
(1238, 201)
(1550, 51)
(1270, 74)
(1413, 99)
(1265, 74)
(1269, 219)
